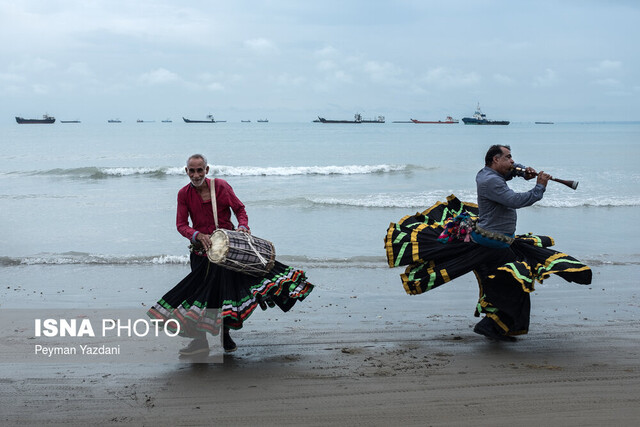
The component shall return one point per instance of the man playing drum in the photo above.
(212, 291)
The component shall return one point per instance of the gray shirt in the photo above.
(497, 203)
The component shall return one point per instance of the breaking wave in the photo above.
(603, 201)
(111, 172)
(81, 258)
(86, 259)
(424, 200)
(391, 200)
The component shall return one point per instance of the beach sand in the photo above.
(357, 351)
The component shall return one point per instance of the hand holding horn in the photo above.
(571, 184)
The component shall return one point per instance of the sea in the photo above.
(88, 210)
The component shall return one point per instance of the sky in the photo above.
(291, 61)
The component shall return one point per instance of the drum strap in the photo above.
(214, 205)
(256, 252)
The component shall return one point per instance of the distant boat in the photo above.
(114, 121)
(544, 123)
(263, 120)
(210, 117)
(449, 120)
(69, 121)
(167, 121)
(46, 119)
(357, 119)
(145, 121)
(479, 118)
(246, 121)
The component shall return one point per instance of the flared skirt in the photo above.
(211, 296)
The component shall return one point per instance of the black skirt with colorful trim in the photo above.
(212, 295)
(506, 276)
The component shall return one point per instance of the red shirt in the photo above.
(190, 204)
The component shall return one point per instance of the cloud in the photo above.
(11, 83)
(79, 69)
(159, 76)
(443, 78)
(607, 82)
(9, 77)
(220, 80)
(32, 65)
(385, 72)
(326, 51)
(288, 80)
(606, 66)
(215, 87)
(503, 80)
(261, 45)
(40, 89)
(549, 78)
(342, 76)
(326, 65)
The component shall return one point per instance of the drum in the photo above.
(241, 252)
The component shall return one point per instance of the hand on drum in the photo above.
(244, 229)
(204, 239)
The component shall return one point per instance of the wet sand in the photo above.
(360, 351)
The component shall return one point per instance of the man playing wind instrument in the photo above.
(453, 238)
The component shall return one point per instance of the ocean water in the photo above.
(98, 194)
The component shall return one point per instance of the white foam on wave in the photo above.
(427, 199)
(305, 170)
(393, 200)
(170, 259)
(597, 202)
(128, 171)
(91, 259)
(222, 170)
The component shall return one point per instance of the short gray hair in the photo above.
(197, 156)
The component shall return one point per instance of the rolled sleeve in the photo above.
(182, 217)
(498, 191)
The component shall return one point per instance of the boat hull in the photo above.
(440, 122)
(46, 120)
(472, 121)
(198, 121)
(203, 121)
(323, 120)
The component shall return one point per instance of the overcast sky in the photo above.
(294, 60)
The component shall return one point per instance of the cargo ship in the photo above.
(209, 117)
(46, 119)
(449, 120)
(356, 119)
(479, 118)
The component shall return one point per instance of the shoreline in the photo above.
(358, 350)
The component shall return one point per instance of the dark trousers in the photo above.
(196, 261)
(504, 301)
